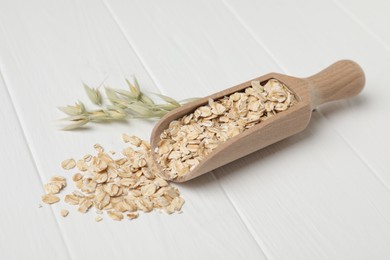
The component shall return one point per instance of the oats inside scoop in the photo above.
(189, 139)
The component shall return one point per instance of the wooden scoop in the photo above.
(341, 80)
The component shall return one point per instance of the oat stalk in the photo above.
(119, 104)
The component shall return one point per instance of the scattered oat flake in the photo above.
(148, 190)
(50, 199)
(98, 218)
(85, 205)
(134, 140)
(178, 203)
(68, 164)
(55, 185)
(82, 165)
(64, 213)
(170, 209)
(98, 148)
(115, 215)
(52, 188)
(72, 199)
(132, 215)
(87, 157)
(160, 182)
(77, 177)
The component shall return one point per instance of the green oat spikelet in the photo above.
(119, 104)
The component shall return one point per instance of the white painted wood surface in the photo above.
(323, 194)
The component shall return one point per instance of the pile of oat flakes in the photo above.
(119, 187)
(191, 138)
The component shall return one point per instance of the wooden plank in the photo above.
(311, 196)
(27, 231)
(47, 48)
(373, 18)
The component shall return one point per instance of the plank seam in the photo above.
(19, 122)
(245, 222)
(354, 151)
(131, 45)
(362, 25)
(253, 35)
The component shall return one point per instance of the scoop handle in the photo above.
(341, 80)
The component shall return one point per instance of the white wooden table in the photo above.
(323, 194)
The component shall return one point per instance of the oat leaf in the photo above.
(78, 124)
(116, 114)
(167, 99)
(111, 95)
(140, 110)
(93, 94)
(136, 84)
(75, 118)
(134, 89)
(126, 93)
(147, 100)
(69, 110)
(80, 106)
